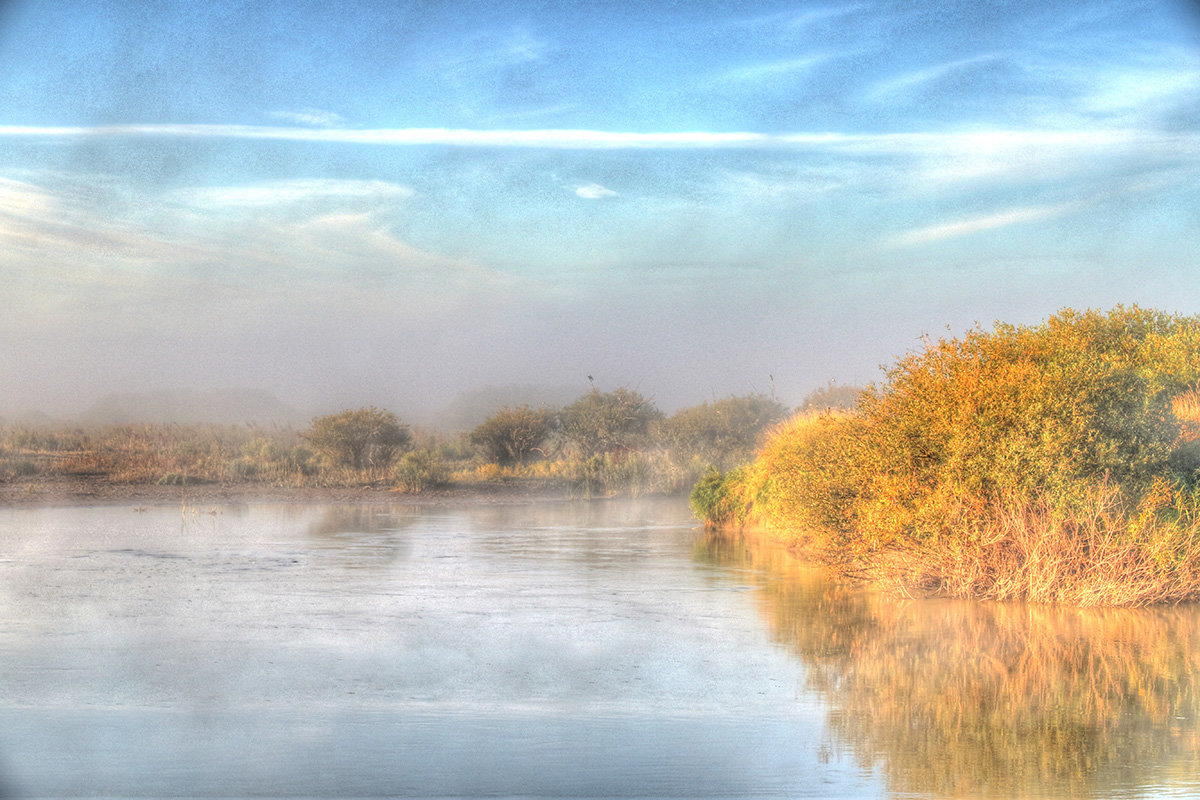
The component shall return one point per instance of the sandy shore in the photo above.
(79, 491)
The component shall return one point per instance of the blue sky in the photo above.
(397, 202)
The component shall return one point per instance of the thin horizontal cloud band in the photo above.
(600, 140)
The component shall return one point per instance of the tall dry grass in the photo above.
(1186, 406)
(1099, 554)
(165, 454)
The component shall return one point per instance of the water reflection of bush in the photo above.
(597, 533)
(364, 535)
(957, 698)
(621, 512)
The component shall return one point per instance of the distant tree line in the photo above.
(603, 442)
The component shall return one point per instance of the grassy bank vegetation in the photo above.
(1052, 463)
(602, 444)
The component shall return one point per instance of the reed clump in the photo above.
(159, 454)
(1051, 463)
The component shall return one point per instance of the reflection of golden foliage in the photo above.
(363, 536)
(959, 698)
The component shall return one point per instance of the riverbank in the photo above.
(74, 490)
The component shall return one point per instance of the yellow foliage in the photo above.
(1058, 463)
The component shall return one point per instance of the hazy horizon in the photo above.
(399, 204)
(242, 406)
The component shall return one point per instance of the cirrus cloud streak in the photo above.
(581, 139)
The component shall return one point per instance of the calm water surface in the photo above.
(603, 649)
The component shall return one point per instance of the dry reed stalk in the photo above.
(1024, 550)
(1186, 406)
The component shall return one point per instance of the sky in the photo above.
(392, 203)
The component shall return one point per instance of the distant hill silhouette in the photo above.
(30, 418)
(190, 406)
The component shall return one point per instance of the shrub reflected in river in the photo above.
(959, 698)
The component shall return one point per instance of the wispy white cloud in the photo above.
(20, 199)
(771, 70)
(315, 117)
(63, 255)
(40, 224)
(281, 193)
(792, 20)
(986, 222)
(581, 139)
(594, 191)
(554, 138)
(1133, 83)
(491, 50)
(907, 82)
(1135, 90)
(508, 116)
(349, 252)
(801, 186)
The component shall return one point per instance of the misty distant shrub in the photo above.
(1068, 428)
(641, 472)
(18, 465)
(832, 397)
(721, 434)
(367, 438)
(511, 436)
(35, 440)
(628, 472)
(608, 422)
(421, 470)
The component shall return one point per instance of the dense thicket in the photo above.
(608, 422)
(723, 433)
(512, 435)
(366, 438)
(1050, 462)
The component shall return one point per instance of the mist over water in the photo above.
(569, 650)
(602, 649)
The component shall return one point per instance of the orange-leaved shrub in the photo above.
(1007, 463)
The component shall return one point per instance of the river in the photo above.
(603, 649)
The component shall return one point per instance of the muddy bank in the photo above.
(76, 491)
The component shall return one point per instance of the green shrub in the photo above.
(608, 422)
(717, 498)
(1047, 411)
(359, 440)
(513, 435)
(420, 471)
(808, 478)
